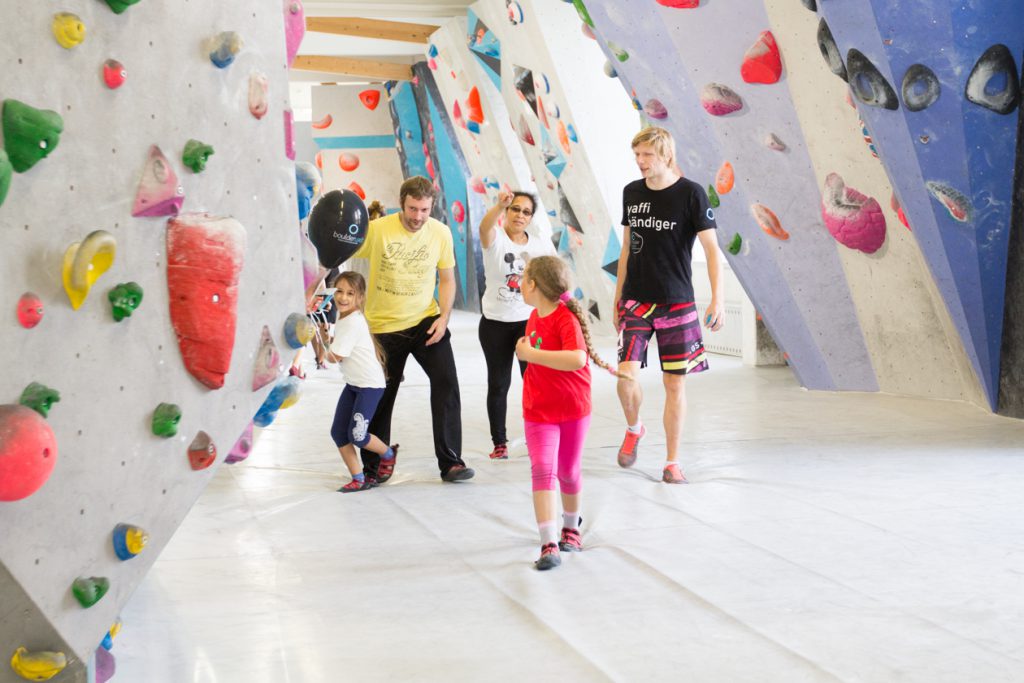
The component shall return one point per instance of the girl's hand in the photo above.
(523, 349)
(505, 198)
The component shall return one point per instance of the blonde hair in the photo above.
(375, 210)
(551, 275)
(357, 282)
(660, 139)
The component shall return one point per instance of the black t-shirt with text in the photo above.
(663, 225)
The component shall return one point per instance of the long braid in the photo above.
(552, 278)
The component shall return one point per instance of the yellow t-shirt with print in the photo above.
(403, 271)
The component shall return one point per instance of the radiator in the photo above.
(729, 339)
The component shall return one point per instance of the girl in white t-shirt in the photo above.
(361, 362)
(506, 251)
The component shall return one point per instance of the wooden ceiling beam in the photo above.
(372, 28)
(373, 69)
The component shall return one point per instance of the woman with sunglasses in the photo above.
(506, 250)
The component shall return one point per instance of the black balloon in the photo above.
(337, 227)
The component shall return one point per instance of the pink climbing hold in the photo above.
(458, 211)
(159, 193)
(294, 28)
(240, 451)
(679, 4)
(289, 134)
(854, 219)
(477, 185)
(762, 63)
(719, 100)
(30, 310)
(655, 109)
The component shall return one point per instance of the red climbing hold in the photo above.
(370, 99)
(474, 112)
(357, 188)
(762, 63)
(679, 4)
(201, 452)
(28, 452)
(204, 259)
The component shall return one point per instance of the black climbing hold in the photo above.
(830, 51)
(993, 82)
(810, 4)
(920, 87)
(869, 85)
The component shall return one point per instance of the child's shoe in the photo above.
(627, 451)
(571, 541)
(355, 485)
(673, 475)
(387, 467)
(500, 452)
(549, 558)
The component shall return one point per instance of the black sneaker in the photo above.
(458, 473)
(549, 558)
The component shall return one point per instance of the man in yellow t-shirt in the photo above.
(409, 253)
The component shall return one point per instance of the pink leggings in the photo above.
(545, 441)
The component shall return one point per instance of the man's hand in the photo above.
(436, 331)
(714, 316)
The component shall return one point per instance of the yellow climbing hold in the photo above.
(68, 29)
(85, 262)
(38, 666)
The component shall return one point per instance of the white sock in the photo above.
(548, 532)
(571, 520)
(636, 428)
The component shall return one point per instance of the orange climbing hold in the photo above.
(563, 138)
(762, 63)
(725, 179)
(768, 221)
(474, 111)
(370, 99)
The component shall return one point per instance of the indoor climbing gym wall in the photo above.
(352, 129)
(795, 149)
(547, 86)
(426, 146)
(151, 262)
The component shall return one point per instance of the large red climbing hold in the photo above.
(204, 259)
(762, 63)
(474, 111)
(28, 452)
(370, 99)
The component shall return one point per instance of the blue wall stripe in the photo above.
(356, 142)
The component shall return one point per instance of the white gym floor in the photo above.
(823, 537)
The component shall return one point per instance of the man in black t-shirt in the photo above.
(662, 215)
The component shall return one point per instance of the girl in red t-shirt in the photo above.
(556, 400)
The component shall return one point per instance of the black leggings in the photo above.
(498, 340)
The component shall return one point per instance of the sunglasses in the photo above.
(519, 209)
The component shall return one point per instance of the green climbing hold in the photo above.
(735, 244)
(713, 197)
(120, 6)
(165, 420)
(6, 173)
(39, 398)
(30, 134)
(124, 298)
(89, 591)
(196, 154)
(581, 10)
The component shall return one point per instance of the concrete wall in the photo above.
(110, 468)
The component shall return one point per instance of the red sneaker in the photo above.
(673, 475)
(500, 452)
(627, 451)
(549, 558)
(387, 467)
(571, 541)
